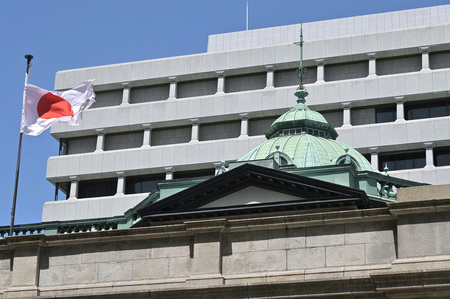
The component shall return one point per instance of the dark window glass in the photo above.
(142, 184)
(421, 109)
(193, 173)
(385, 114)
(441, 156)
(398, 161)
(64, 187)
(438, 109)
(97, 188)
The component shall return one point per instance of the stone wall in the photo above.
(245, 254)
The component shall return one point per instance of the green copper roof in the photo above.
(306, 150)
(307, 139)
(301, 117)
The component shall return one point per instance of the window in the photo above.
(143, 184)
(245, 82)
(81, 145)
(399, 161)
(334, 118)
(193, 173)
(107, 98)
(123, 140)
(298, 131)
(385, 114)
(196, 88)
(97, 188)
(345, 71)
(215, 131)
(398, 65)
(441, 156)
(427, 109)
(171, 135)
(439, 60)
(372, 115)
(149, 94)
(257, 126)
(291, 77)
(64, 187)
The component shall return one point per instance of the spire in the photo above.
(301, 70)
(301, 92)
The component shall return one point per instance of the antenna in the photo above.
(246, 18)
(301, 70)
(301, 93)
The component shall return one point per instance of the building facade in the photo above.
(184, 180)
(381, 80)
(323, 252)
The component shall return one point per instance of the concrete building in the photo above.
(184, 180)
(381, 80)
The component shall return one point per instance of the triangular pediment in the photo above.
(252, 189)
(250, 195)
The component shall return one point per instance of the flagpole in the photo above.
(16, 183)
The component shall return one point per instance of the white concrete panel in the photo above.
(385, 86)
(384, 41)
(184, 65)
(426, 82)
(207, 63)
(442, 175)
(256, 56)
(138, 70)
(399, 85)
(106, 207)
(94, 207)
(82, 209)
(196, 63)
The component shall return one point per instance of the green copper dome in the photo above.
(305, 150)
(301, 117)
(306, 139)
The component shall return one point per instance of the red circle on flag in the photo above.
(53, 106)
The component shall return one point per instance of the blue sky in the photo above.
(73, 34)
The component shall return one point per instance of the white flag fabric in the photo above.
(42, 108)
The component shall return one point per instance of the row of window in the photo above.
(133, 184)
(412, 159)
(388, 113)
(288, 132)
(332, 72)
(256, 127)
(166, 136)
(148, 183)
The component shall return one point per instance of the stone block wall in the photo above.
(317, 247)
(334, 247)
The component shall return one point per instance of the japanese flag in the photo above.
(42, 108)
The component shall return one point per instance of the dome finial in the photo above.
(301, 92)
